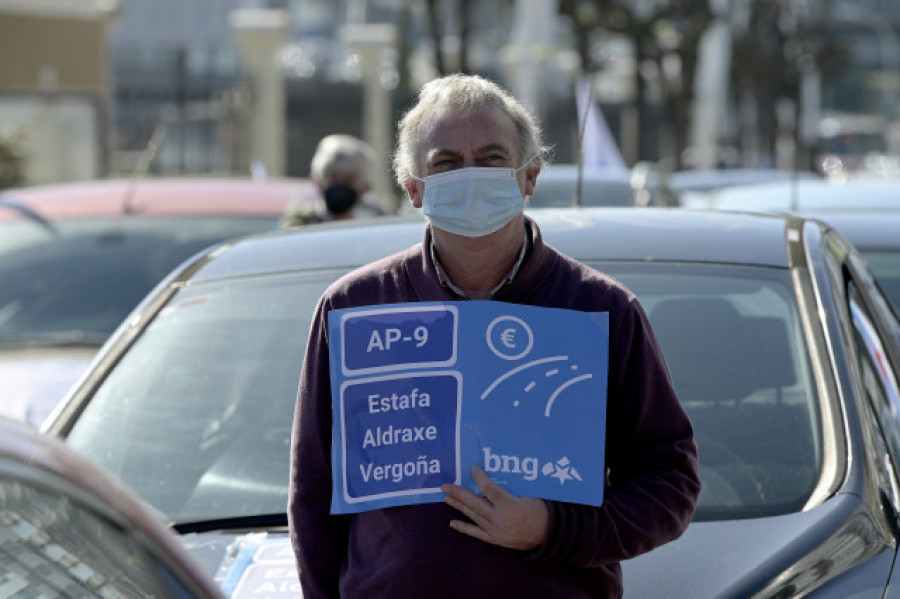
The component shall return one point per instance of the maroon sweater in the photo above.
(411, 551)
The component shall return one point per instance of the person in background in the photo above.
(342, 170)
(468, 154)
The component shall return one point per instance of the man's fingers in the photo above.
(455, 502)
(475, 507)
(471, 530)
(492, 491)
(498, 517)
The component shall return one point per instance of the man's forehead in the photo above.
(482, 149)
(489, 128)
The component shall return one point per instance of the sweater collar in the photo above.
(525, 277)
(445, 281)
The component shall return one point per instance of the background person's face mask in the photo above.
(472, 201)
(339, 198)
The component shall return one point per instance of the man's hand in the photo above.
(499, 517)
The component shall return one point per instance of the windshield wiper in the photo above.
(239, 522)
(29, 214)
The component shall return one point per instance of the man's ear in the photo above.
(531, 174)
(414, 192)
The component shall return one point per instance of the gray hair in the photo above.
(342, 153)
(466, 95)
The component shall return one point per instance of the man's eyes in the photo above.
(443, 165)
(446, 164)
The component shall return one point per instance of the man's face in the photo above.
(452, 142)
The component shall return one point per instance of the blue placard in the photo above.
(423, 391)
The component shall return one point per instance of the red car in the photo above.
(76, 258)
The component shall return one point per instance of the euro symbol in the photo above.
(512, 344)
(508, 338)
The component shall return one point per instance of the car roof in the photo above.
(867, 229)
(189, 196)
(812, 194)
(590, 233)
(712, 179)
(569, 172)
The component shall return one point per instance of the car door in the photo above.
(872, 356)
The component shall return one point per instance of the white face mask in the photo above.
(473, 201)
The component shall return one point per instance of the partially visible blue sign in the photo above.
(260, 566)
(423, 391)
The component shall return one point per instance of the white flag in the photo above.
(598, 148)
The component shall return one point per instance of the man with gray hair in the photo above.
(469, 154)
(342, 170)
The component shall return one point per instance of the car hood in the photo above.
(36, 379)
(712, 559)
(737, 558)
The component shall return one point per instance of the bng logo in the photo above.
(528, 467)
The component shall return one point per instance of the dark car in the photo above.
(561, 185)
(876, 234)
(69, 529)
(776, 337)
(76, 258)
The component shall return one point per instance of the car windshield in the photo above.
(209, 390)
(72, 282)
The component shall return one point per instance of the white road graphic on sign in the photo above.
(520, 368)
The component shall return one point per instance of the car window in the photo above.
(79, 280)
(885, 267)
(878, 377)
(209, 391)
(734, 346)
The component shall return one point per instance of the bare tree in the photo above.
(772, 53)
(12, 161)
(782, 42)
(668, 34)
(678, 92)
(460, 62)
(437, 35)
